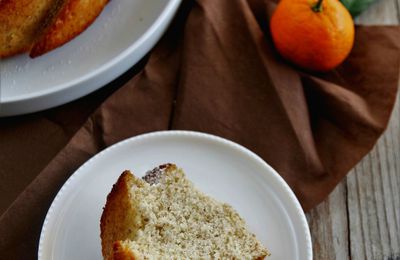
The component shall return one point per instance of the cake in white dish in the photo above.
(163, 216)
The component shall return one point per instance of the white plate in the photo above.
(124, 32)
(218, 167)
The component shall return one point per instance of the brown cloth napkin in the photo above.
(216, 71)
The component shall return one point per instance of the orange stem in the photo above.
(317, 7)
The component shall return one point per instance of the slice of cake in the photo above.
(163, 216)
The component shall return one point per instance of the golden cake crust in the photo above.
(74, 18)
(23, 21)
(113, 220)
(122, 253)
(39, 26)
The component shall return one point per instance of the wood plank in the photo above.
(329, 227)
(374, 185)
(362, 216)
(374, 199)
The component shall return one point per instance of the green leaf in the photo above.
(356, 7)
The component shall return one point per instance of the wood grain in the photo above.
(329, 226)
(361, 218)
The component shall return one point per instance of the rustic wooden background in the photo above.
(361, 218)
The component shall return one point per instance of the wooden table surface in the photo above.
(361, 218)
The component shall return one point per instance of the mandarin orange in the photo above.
(313, 34)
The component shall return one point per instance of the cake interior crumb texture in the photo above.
(174, 220)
